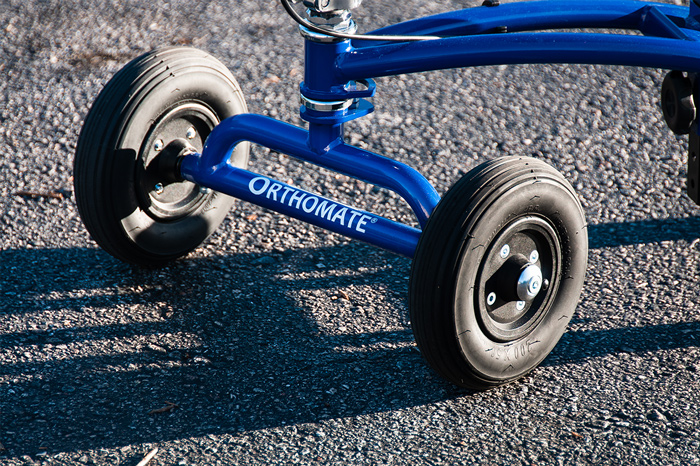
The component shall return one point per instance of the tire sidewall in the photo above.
(550, 200)
(201, 85)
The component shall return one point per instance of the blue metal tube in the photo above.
(505, 49)
(531, 16)
(300, 204)
(667, 44)
(340, 157)
(318, 58)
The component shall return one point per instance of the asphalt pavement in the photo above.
(280, 343)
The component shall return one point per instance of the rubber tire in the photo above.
(111, 149)
(445, 270)
(677, 102)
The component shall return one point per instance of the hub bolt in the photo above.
(158, 146)
(191, 133)
(491, 299)
(159, 188)
(534, 256)
(520, 305)
(505, 250)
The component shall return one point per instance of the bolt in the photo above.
(534, 256)
(191, 133)
(159, 188)
(505, 250)
(520, 305)
(534, 287)
(204, 190)
(491, 299)
(158, 146)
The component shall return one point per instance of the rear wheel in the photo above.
(166, 100)
(498, 272)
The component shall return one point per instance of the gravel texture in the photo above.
(279, 343)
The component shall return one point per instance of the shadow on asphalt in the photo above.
(250, 355)
(255, 358)
(611, 235)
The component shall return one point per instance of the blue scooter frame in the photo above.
(498, 263)
(341, 71)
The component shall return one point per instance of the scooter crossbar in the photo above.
(212, 169)
(302, 205)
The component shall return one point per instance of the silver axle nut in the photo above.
(529, 283)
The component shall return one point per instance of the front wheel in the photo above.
(134, 210)
(498, 272)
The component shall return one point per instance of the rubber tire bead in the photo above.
(458, 242)
(677, 102)
(112, 155)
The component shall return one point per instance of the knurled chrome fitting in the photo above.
(336, 20)
(339, 21)
(325, 6)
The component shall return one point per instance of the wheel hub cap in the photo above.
(529, 283)
(517, 274)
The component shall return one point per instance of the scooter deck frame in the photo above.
(514, 33)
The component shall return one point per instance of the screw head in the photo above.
(534, 256)
(491, 299)
(158, 146)
(505, 250)
(191, 133)
(520, 305)
(159, 188)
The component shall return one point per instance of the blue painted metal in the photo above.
(294, 141)
(693, 19)
(667, 44)
(655, 23)
(300, 204)
(534, 16)
(318, 59)
(350, 90)
(321, 85)
(498, 49)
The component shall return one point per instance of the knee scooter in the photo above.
(498, 261)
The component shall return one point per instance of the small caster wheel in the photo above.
(166, 100)
(498, 272)
(677, 102)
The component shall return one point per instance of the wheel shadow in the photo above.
(583, 344)
(611, 235)
(97, 354)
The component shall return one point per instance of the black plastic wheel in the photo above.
(498, 272)
(677, 102)
(131, 207)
